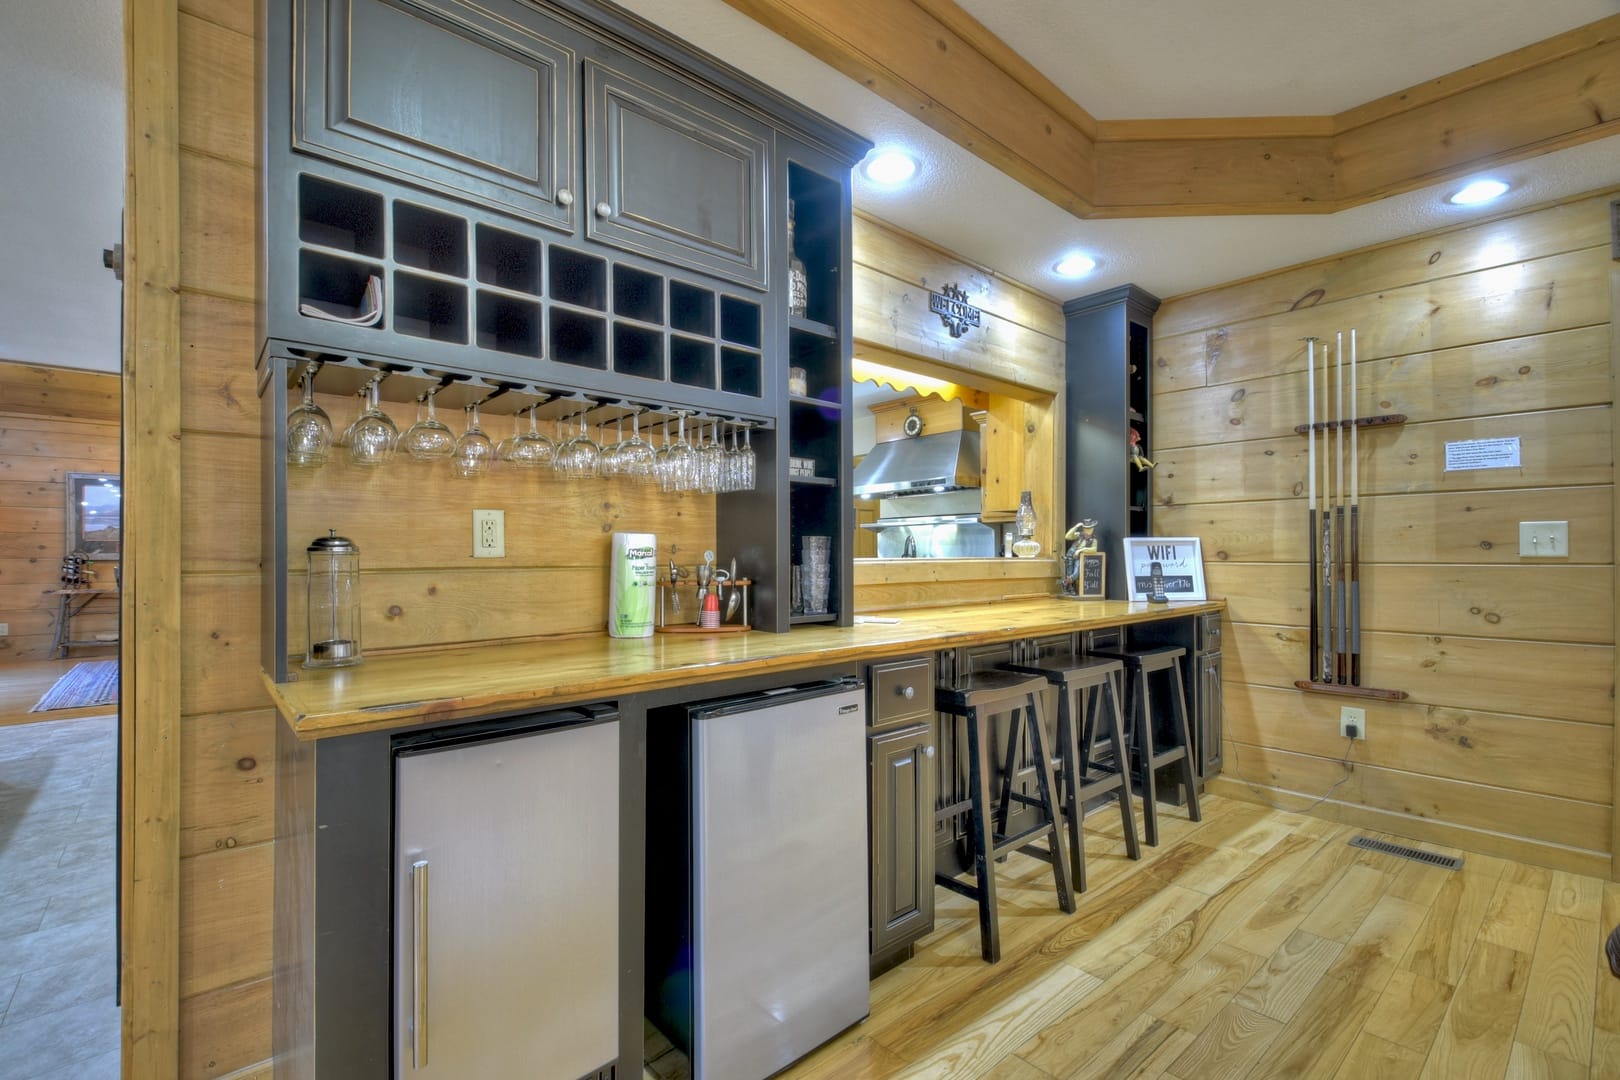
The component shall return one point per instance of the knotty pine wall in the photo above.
(1494, 330)
(53, 421)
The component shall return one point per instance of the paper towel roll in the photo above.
(632, 582)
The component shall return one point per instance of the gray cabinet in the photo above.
(674, 172)
(464, 99)
(902, 793)
(1107, 361)
(1205, 688)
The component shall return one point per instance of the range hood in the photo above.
(948, 461)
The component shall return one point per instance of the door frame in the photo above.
(149, 617)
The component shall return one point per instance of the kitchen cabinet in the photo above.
(1108, 361)
(1001, 448)
(1206, 707)
(901, 799)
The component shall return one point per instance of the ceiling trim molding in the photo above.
(938, 63)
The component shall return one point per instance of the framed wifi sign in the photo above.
(1177, 562)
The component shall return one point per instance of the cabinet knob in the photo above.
(604, 210)
(565, 197)
(928, 751)
(907, 692)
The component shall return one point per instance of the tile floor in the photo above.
(58, 949)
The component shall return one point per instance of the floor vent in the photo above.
(1449, 862)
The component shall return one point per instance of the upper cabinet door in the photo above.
(674, 173)
(442, 94)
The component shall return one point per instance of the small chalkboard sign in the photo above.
(1093, 578)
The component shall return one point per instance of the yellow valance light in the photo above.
(901, 380)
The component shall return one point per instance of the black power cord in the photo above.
(1351, 732)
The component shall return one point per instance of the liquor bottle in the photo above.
(798, 282)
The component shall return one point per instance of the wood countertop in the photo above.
(404, 689)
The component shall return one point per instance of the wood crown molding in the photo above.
(938, 63)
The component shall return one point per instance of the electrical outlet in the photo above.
(5, 629)
(489, 534)
(1352, 719)
(1544, 539)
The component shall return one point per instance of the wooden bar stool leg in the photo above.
(1008, 771)
(1070, 766)
(1189, 776)
(1142, 712)
(980, 835)
(1116, 734)
(1048, 786)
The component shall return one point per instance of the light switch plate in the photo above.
(489, 534)
(5, 629)
(1544, 539)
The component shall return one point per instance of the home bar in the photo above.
(640, 613)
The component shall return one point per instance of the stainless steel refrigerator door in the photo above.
(513, 844)
(779, 803)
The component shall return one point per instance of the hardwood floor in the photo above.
(23, 682)
(1257, 943)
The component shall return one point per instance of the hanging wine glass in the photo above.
(373, 436)
(309, 429)
(678, 465)
(746, 461)
(473, 450)
(533, 449)
(578, 458)
(608, 464)
(429, 439)
(636, 456)
(711, 459)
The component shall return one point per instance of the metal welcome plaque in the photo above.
(951, 305)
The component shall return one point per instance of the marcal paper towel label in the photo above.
(633, 580)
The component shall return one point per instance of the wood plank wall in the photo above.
(1494, 330)
(53, 421)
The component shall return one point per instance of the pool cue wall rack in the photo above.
(1334, 665)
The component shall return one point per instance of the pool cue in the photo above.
(1329, 553)
(1310, 436)
(1355, 528)
(1341, 644)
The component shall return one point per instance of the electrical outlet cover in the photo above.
(489, 534)
(1350, 716)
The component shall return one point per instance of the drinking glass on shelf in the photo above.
(429, 439)
(309, 429)
(373, 436)
(473, 450)
(578, 458)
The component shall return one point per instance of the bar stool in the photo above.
(1142, 666)
(977, 698)
(1089, 692)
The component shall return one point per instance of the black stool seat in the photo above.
(1089, 707)
(1164, 661)
(976, 698)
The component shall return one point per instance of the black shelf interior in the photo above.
(429, 240)
(691, 363)
(638, 294)
(334, 284)
(638, 351)
(338, 216)
(577, 338)
(740, 322)
(507, 260)
(578, 279)
(429, 308)
(691, 309)
(1140, 481)
(508, 324)
(740, 372)
(815, 432)
(817, 226)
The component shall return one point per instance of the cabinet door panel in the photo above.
(1210, 727)
(393, 85)
(902, 836)
(674, 173)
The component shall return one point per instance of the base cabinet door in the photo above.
(506, 924)
(902, 832)
(1211, 731)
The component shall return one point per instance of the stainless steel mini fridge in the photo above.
(506, 900)
(757, 879)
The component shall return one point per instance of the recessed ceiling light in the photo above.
(889, 167)
(1075, 265)
(1478, 191)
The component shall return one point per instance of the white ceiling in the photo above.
(62, 129)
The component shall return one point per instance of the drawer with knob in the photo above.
(902, 692)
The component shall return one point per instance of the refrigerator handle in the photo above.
(419, 964)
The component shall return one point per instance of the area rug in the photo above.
(94, 682)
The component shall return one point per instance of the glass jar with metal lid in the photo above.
(334, 602)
